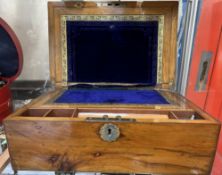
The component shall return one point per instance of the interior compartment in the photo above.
(114, 113)
(123, 115)
(186, 115)
(35, 112)
(61, 113)
(138, 114)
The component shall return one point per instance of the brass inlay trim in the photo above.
(64, 18)
(160, 49)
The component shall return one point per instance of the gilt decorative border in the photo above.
(64, 18)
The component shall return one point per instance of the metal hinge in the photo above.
(106, 118)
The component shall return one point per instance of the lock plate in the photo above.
(109, 132)
(106, 118)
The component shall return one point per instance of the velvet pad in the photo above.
(112, 51)
(108, 96)
(8, 55)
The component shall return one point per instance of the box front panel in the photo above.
(165, 148)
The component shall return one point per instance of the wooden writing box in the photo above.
(112, 111)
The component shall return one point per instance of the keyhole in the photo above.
(109, 131)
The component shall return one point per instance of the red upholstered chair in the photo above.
(11, 59)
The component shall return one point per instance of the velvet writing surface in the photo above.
(112, 51)
(111, 96)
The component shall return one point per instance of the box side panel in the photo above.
(141, 147)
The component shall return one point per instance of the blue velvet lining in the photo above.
(9, 62)
(111, 96)
(112, 51)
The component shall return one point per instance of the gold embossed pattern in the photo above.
(65, 18)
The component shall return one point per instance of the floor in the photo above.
(8, 171)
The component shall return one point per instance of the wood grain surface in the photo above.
(165, 148)
(168, 9)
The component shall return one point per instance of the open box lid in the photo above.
(123, 43)
(11, 57)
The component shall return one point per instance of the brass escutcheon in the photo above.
(109, 132)
(79, 5)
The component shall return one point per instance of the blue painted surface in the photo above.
(180, 39)
(200, 3)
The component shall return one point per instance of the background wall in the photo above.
(29, 20)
